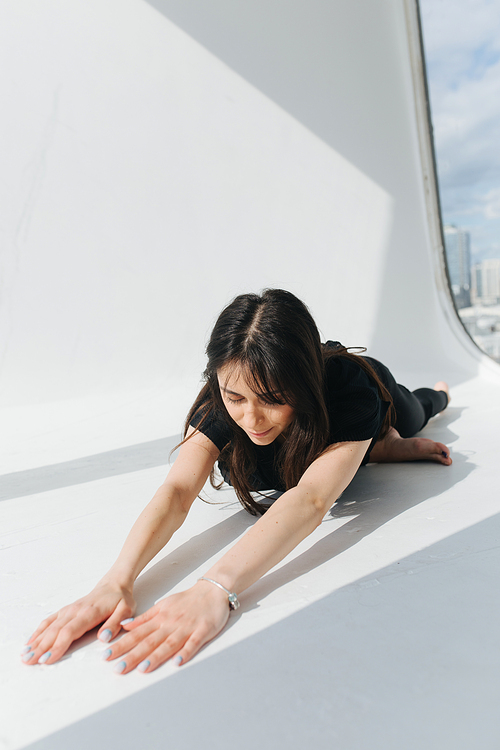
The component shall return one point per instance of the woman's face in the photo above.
(263, 421)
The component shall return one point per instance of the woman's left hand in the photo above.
(177, 626)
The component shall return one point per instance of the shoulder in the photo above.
(355, 408)
(346, 373)
(213, 425)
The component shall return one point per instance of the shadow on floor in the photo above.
(377, 494)
(88, 468)
(412, 663)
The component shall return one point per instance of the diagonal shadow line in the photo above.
(88, 468)
(254, 41)
(225, 684)
(375, 496)
(125, 460)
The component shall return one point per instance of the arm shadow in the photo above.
(157, 580)
(377, 494)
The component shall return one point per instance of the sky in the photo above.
(462, 49)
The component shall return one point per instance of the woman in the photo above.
(280, 411)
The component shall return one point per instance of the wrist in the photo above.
(231, 597)
(118, 579)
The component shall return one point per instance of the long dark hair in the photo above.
(274, 342)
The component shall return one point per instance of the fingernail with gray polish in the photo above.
(126, 622)
(143, 665)
(120, 667)
(106, 635)
(45, 657)
(178, 661)
(25, 649)
(106, 654)
(28, 656)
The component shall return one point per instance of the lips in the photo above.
(260, 434)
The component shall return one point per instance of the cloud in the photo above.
(492, 204)
(486, 205)
(460, 38)
(467, 129)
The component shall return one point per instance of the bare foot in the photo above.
(393, 448)
(442, 386)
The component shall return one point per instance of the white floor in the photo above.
(380, 630)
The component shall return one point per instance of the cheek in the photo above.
(233, 411)
(286, 416)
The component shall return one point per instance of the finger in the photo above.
(50, 634)
(38, 645)
(122, 616)
(40, 629)
(154, 649)
(129, 641)
(192, 645)
(132, 623)
(60, 636)
(148, 662)
(43, 650)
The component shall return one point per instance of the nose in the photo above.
(253, 417)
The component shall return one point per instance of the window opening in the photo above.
(462, 50)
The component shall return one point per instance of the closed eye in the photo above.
(234, 400)
(273, 402)
(264, 401)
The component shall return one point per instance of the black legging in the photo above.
(413, 408)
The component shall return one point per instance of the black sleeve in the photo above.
(214, 427)
(355, 408)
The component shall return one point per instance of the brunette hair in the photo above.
(274, 342)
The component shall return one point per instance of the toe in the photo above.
(444, 454)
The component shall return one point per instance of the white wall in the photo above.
(145, 183)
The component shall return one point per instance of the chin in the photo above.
(264, 440)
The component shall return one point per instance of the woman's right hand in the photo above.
(108, 604)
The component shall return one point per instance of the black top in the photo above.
(355, 409)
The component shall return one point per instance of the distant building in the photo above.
(486, 282)
(457, 244)
(476, 291)
(483, 324)
(485, 277)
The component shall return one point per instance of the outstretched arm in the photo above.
(182, 623)
(291, 518)
(112, 601)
